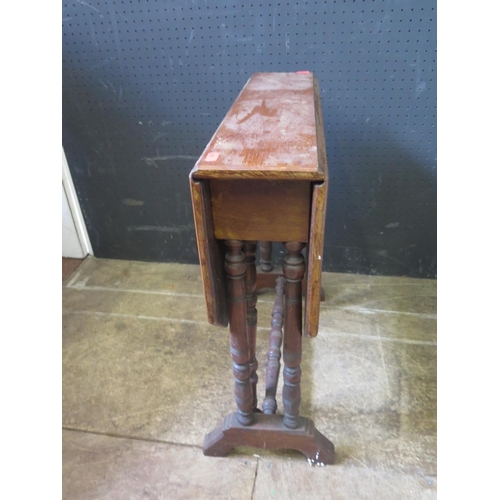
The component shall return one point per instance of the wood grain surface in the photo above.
(317, 230)
(254, 210)
(269, 132)
(210, 254)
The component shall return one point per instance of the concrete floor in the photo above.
(145, 377)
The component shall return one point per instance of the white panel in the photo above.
(70, 242)
(71, 200)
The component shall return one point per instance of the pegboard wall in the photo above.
(146, 83)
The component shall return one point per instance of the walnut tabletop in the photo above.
(271, 131)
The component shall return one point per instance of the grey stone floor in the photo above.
(145, 377)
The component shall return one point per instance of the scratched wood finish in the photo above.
(269, 132)
(210, 253)
(261, 210)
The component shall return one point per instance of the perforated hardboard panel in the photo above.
(146, 83)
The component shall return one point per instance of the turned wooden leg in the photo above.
(249, 248)
(293, 269)
(266, 248)
(235, 267)
(268, 430)
(269, 406)
(267, 278)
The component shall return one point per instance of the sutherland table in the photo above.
(263, 177)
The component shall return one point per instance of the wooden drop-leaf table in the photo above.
(263, 177)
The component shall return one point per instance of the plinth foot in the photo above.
(268, 432)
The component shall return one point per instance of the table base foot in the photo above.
(268, 432)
